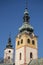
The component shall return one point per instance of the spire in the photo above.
(26, 25)
(9, 45)
(26, 14)
(26, 3)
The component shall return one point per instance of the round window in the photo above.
(9, 51)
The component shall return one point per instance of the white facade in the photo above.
(25, 51)
(34, 54)
(17, 56)
(8, 55)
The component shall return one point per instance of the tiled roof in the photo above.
(36, 62)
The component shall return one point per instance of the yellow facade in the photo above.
(26, 36)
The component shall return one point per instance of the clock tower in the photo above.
(26, 42)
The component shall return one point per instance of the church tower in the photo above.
(8, 52)
(26, 42)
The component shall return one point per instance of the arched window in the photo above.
(20, 56)
(28, 40)
(21, 41)
(31, 55)
(33, 42)
(18, 43)
(8, 57)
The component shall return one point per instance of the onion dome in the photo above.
(26, 26)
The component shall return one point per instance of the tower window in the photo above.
(18, 43)
(20, 56)
(28, 40)
(31, 55)
(8, 57)
(21, 41)
(33, 42)
(9, 51)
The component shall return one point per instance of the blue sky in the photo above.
(11, 18)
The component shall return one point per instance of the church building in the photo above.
(26, 46)
(26, 42)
